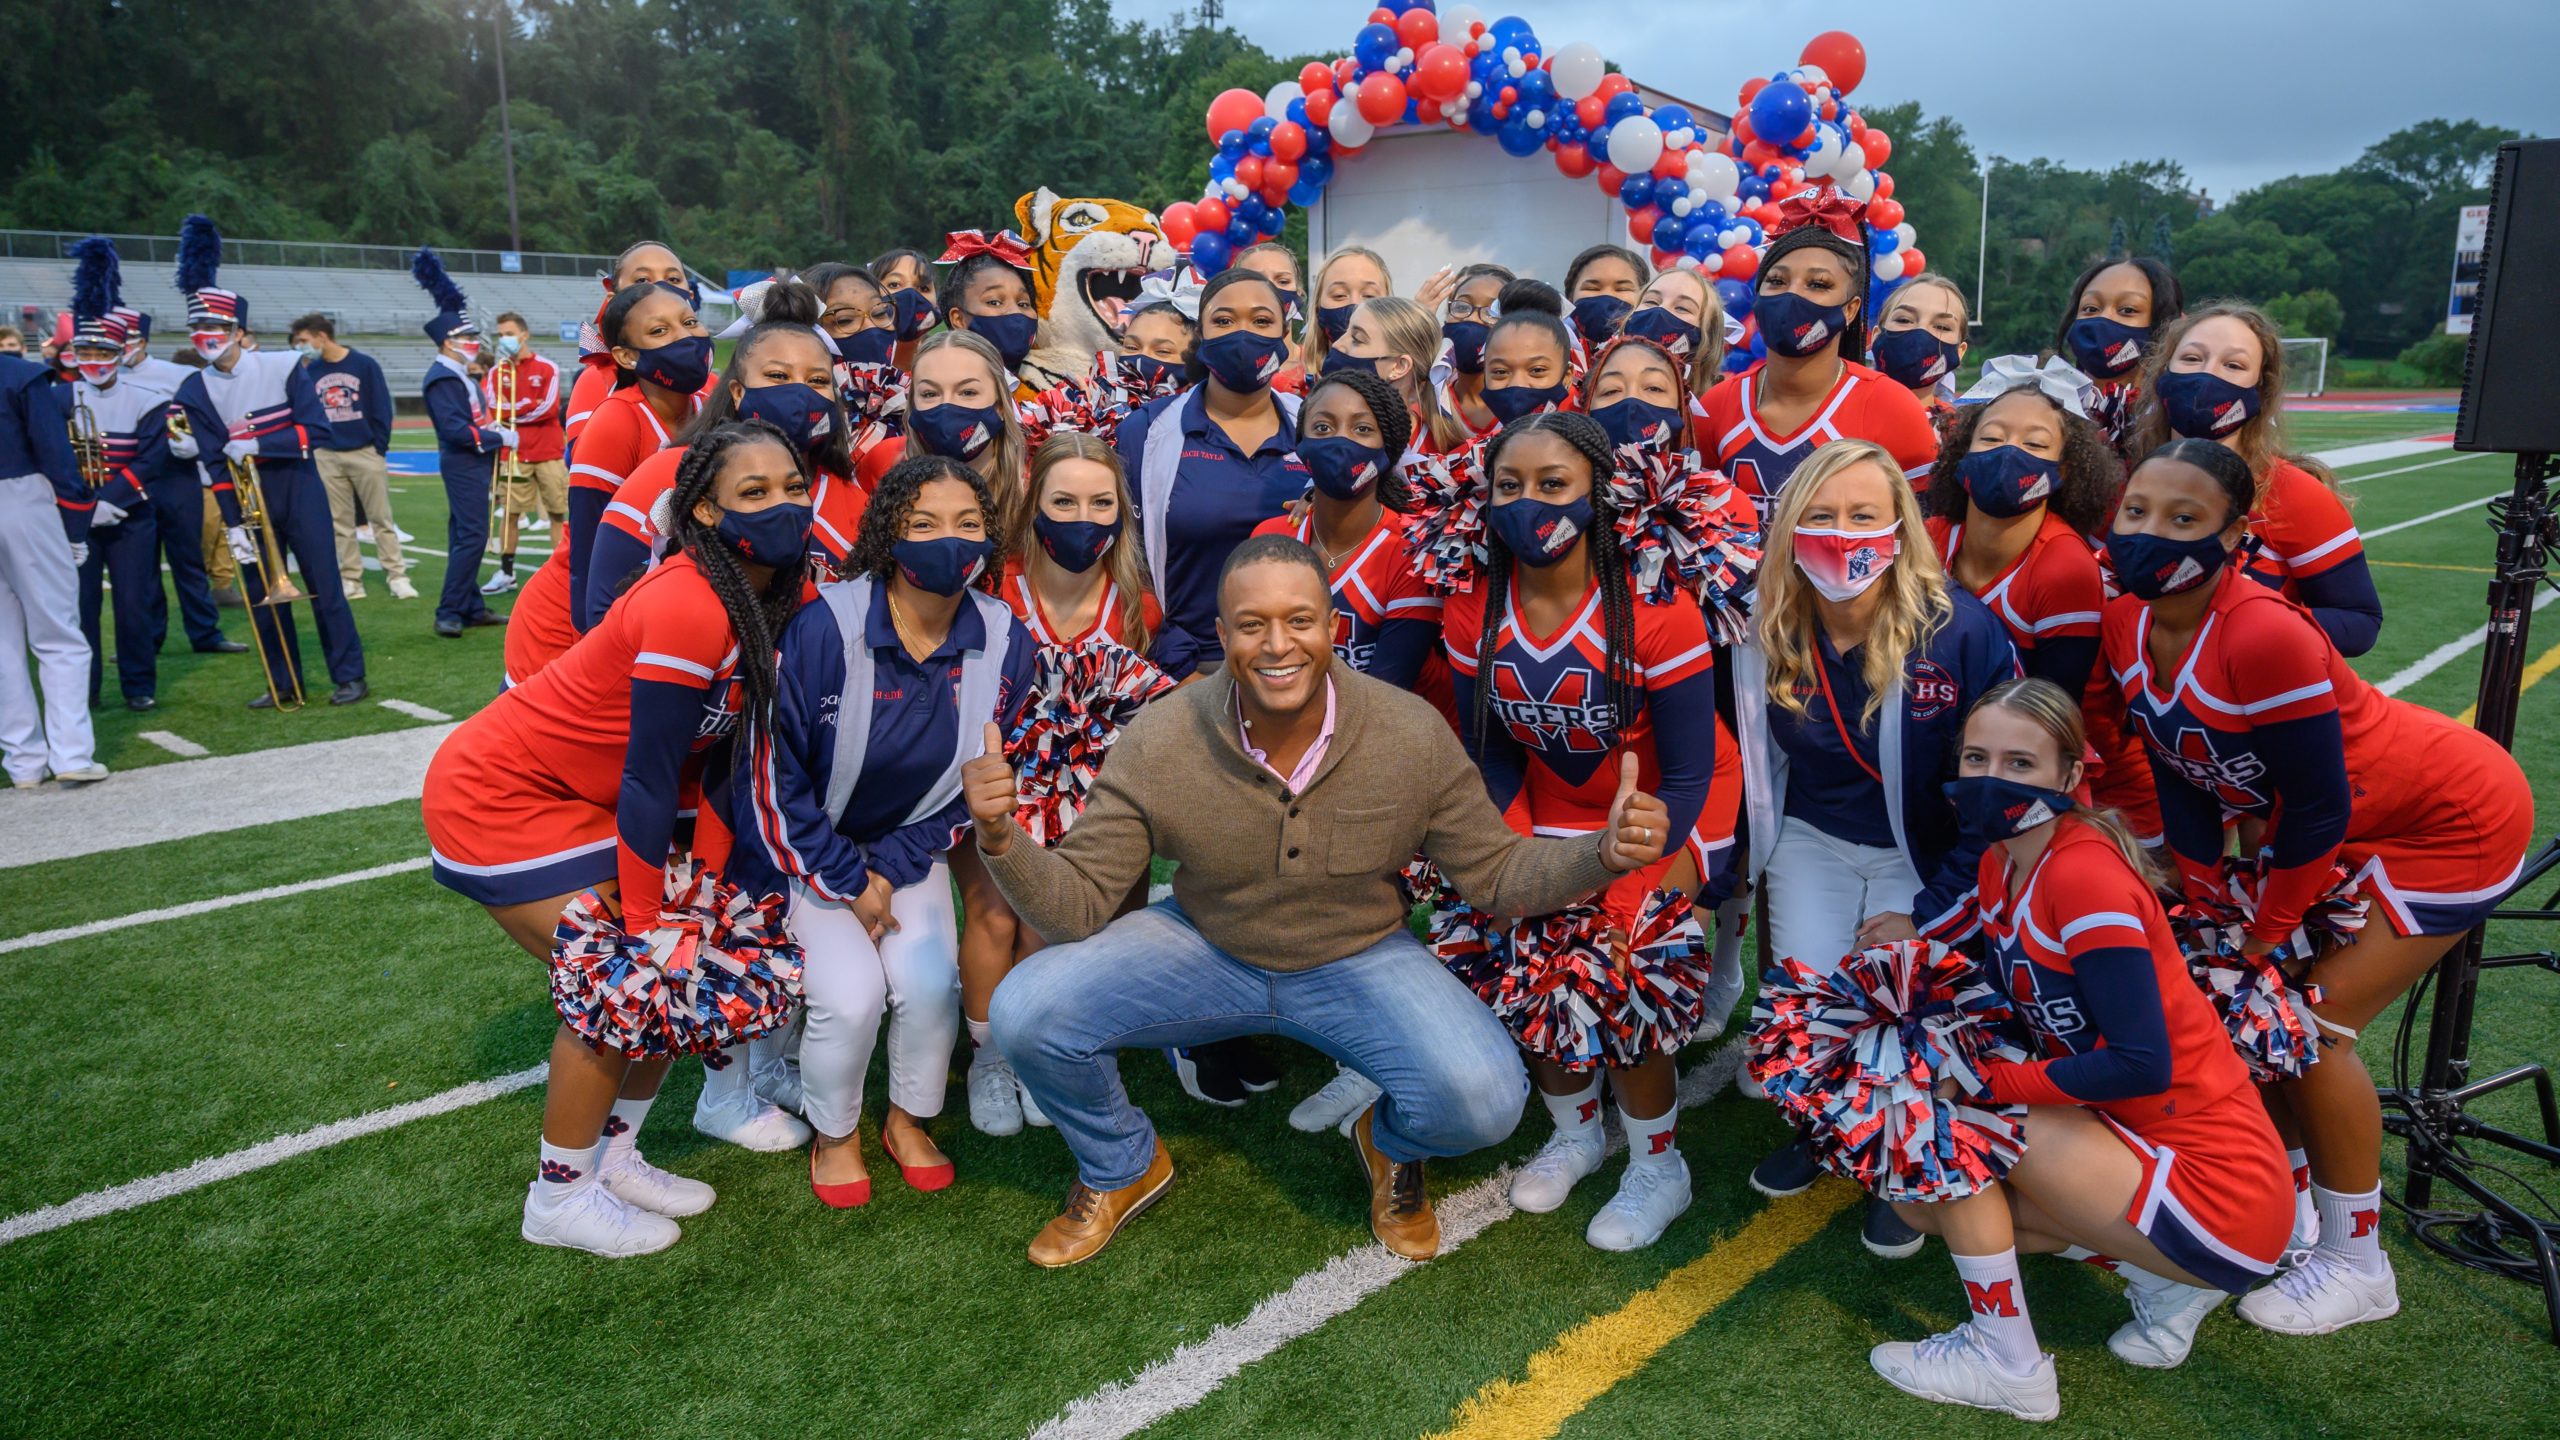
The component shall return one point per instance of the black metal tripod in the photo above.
(2502, 1236)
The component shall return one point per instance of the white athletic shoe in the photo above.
(1957, 1369)
(1748, 1084)
(1541, 1185)
(597, 1221)
(1649, 1198)
(1032, 1114)
(778, 1084)
(2321, 1295)
(748, 1122)
(353, 592)
(2163, 1327)
(1336, 1105)
(657, 1191)
(995, 1096)
(89, 774)
(535, 527)
(499, 584)
(401, 589)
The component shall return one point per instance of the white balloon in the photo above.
(1713, 264)
(1889, 267)
(1688, 261)
(1475, 89)
(1682, 206)
(1680, 139)
(1350, 127)
(1578, 68)
(1237, 189)
(1731, 236)
(1276, 103)
(1634, 144)
(1714, 174)
(1458, 23)
(1905, 235)
(1537, 119)
(1813, 72)
(1397, 63)
(1861, 186)
(1518, 66)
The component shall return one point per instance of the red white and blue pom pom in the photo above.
(2267, 1012)
(2338, 915)
(1554, 980)
(1446, 536)
(1669, 963)
(1078, 702)
(1854, 1060)
(872, 394)
(718, 970)
(1689, 531)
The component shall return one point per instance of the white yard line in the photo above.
(413, 710)
(2375, 451)
(2406, 469)
(192, 908)
(175, 744)
(2373, 535)
(2451, 650)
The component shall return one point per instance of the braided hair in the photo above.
(884, 521)
(756, 617)
(1624, 680)
(1534, 303)
(1395, 428)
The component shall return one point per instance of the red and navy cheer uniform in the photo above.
(133, 425)
(628, 540)
(1862, 405)
(1025, 604)
(2307, 547)
(1199, 496)
(2263, 717)
(2083, 949)
(623, 432)
(1386, 622)
(581, 773)
(466, 458)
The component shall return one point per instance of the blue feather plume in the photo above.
(97, 283)
(199, 253)
(428, 271)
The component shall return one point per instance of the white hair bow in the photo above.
(1179, 288)
(2059, 379)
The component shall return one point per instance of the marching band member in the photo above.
(352, 467)
(575, 780)
(468, 444)
(1602, 285)
(538, 493)
(2115, 309)
(1466, 323)
(200, 565)
(1922, 341)
(2218, 374)
(2145, 1150)
(986, 291)
(12, 341)
(1347, 277)
(599, 376)
(662, 356)
(44, 537)
(264, 404)
(129, 421)
(2246, 705)
(857, 804)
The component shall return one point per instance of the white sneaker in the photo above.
(2163, 1327)
(89, 774)
(747, 1122)
(1032, 1114)
(401, 589)
(657, 1191)
(1956, 1369)
(1340, 1101)
(1649, 1198)
(535, 526)
(995, 1096)
(779, 1085)
(499, 584)
(353, 592)
(1748, 1084)
(597, 1221)
(405, 537)
(1541, 1185)
(2322, 1295)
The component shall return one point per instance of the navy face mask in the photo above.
(2006, 481)
(803, 415)
(1989, 807)
(1511, 402)
(682, 365)
(1242, 360)
(957, 432)
(1010, 334)
(1914, 357)
(1289, 304)
(777, 535)
(2104, 348)
(1466, 344)
(1665, 329)
(916, 312)
(1075, 544)
(943, 566)
(1639, 422)
(1341, 467)
(867, 347)
(1598, 317)
(1333, 320)
(1336, 361)
(1538, 532)
(2150, 566)
(2203, 406)
(1796, 327)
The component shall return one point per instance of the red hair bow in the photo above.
(1008, 247)
(1825, 206)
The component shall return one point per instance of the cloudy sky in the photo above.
(2238, 91)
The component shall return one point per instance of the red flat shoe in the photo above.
(842, 1197)
(927, 1177)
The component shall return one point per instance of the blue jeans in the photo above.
(1451, 1077)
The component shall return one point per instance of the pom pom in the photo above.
(1554, 980)
(1854, 1060)
(1687, 531)
(716, 971)
(1447, 533)
(2267, 1012)
(97, 281)
(199, 253)
(1095, 405)
(427, 269)
(873, 395)
(1078, 702)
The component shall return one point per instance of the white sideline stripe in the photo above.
(2405, 469)
(175, 744)
(2376, 451)
(192, 908)
(414, 710)
(218, 793)
(258, 1157)
(2450, 651)
(2431, 515)
(1191, 1373)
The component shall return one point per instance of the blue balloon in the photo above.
(1512, 31)
(1517, 139)
(1258, 134)
(1756, 236)
(1669, 192)
(1240, 231)
(1249, 210)
(1210, 252)
(1702, 238)
(1537, 88)
(1624, 104)
(1305, 192)
(1672, 117)
(1480, 117)
(1711, 215)
(1636, 192)
(1882, 242)
(1670, 232)
(1231, 144)
(1315, 170)
(1319, 145)
(1780, 112)
(1221, 167)
(1298, 113)
(1375, 43)
(1734, 296)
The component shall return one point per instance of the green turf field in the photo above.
(377, 1286)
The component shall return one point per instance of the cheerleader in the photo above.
(903, 275)
(1679, 313)
(662, 364)
(857, 802)
(986, 292)
(1850, 699)
(2246, 705)
(1531, 361)
(1466, 324)
(2145, 1151)
(1074, 586)
(1602, 285)
(576, 781)
(1155, 340)
(1922, 342)
(1347, 277)
(645, 262)
(1565, 680)
(1278, 264)
(2107, 324)
(960, 406)
(860, 319)
(1810, 302)
(2218, 374)
(1395, 339)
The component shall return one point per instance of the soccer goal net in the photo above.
(2306, 366)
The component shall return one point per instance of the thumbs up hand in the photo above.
(986, 783)
(1639, 826)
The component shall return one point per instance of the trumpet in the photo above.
(284, 690)
(88, 445)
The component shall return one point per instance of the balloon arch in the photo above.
(1697, 203)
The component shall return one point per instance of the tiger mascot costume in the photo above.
(1087, 258)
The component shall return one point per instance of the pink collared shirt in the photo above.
(1297, 779)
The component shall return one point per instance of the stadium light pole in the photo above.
(1981, 252)
(506, 126)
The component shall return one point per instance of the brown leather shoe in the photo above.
(1093, 1216)
(1399, 1208)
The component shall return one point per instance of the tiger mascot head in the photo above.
(1087, 257)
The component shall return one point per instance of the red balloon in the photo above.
(1278, 174)
(1884, 185)
(1913, 262)
(1609, 178)
(1613, 85)
(1416, 28)
(1879, 148)
(1664, 259)
(1857, 124)
(1830, 109)
(1641, 220)
(1179, 221)
(1249, 170)
(1575, 159)
(1345, 70)
(1804, 141)
(1275, 196)
(1779, 189)
(1320, 105)
(1440, 71)
(1841, 56)
(1591, 110)
(1317, 76)
(1750, 88)
(1766, 212)
(1212, 213)
(1288, 140)
(1382, 98)
(1884, 214)
(1673, 165)
(1741, 262)
(1233, 110)
(1757, 154)
(1382, 16)
(1742, 133)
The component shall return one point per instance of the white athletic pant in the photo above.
(913, 975)
(1822, 888)
(40, 612)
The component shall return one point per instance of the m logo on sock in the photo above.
(1997, 1298)
(1587, 1109)
(2364, 1220)
(1661, 1142)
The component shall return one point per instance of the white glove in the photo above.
(505, 437)
(79, 553)
(240, 449)
(105, 514)
(243, 549)
(183, 446)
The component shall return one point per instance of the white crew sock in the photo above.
(2082, 1254)
(724, 1076)
(1577, 1114)
(2351, 1226)
(1651, 1142)
(1998, 1299)
(2306, 1215)
(622, 1127)
(564, 1172)
(981, 1035)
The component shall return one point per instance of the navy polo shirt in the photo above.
(1219, 494)
(1827, 787)
(915, 718)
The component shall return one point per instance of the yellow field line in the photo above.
(2418, 565)
(1585, 1361)
(2541, 668)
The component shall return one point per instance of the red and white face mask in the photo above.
(212, 344)
(1843, 563)
(100, 373)
(463, 351)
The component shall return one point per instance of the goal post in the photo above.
(2306, 366)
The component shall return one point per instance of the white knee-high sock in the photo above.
(2351, 1226)
(1998, 1300)
(980, 1035)
(2306, 1214)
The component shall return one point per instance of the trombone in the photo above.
(284, 692)
(88, 445)
(505, 402)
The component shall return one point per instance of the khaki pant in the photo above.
(544, 490)
(220, 570)
(359, 477)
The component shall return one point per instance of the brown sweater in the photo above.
(1283, 881)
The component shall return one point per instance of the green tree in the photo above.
(2435, 158)
(2312, 314)
(2225, 257)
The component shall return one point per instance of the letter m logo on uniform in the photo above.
(1998, 1298)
